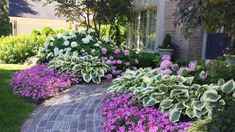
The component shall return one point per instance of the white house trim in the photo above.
(141, 5)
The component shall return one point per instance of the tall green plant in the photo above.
(5, 27)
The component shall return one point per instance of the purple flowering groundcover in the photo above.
(126, 113)
(39, 82)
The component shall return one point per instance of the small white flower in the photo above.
(85, 40)
(59, 36)
(75, 53)
(74, 44)
(91, 30)
(89, 37)
(65, 34)
(56, 51)
(82, 50)
(97, 45)
(106, 39)
(68, 49)
(99, 42)
(82, 30)
(51, 44)
(93, 50)
(65, 37)
(66, 43)
(61, 51)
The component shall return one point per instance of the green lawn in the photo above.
(13, 110)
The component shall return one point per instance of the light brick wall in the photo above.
(189, 48)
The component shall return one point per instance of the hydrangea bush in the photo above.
(126, 113)
(85, 42)
(39, 82)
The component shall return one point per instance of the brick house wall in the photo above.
(188, 48)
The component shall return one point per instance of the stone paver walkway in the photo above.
(74, 110)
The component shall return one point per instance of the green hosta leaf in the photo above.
(199, 105)
(190, 112)
(166, 104)
(222, 102)
(87, 77)
(199, 114)
(149, 101)
(157, 96)
(96, 80)
(210, 96)
(196, 86)
(221, 82)
(189, 80)
(228, 87)
(179, 106)
(175, 115)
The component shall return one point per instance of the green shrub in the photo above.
(222, 121)
(16, 49)
(148, 59)
(175, 94)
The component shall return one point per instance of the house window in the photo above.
(144, 31)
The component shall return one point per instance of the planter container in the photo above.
(166, 51)
(230, 59)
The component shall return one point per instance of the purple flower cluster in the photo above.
(126, 113)
(39, 82)
(119, 60)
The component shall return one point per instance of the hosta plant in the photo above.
(88, 67)
(175, 94)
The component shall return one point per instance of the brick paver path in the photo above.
(74, 110)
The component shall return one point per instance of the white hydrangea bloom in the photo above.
(85, 40)
(97, 45)
(56, 51)
(75, 53)
(61, 51)
(68, 49)
(106, 39)
(59, 36)
(82, 31)
(65, 38)
(89, 37)
(74, 44)
(99, 42)
(93, 50)
(82, 50)
(66, 43)
(91, 30)
(51, 44)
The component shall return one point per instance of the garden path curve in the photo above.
(74, 110)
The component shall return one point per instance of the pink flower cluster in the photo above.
(39, 82)
(118, 60)
(126, 113)
(168, 68)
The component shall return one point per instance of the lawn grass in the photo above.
(13, 109)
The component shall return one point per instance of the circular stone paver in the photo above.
(74, 110)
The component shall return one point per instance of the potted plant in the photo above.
(229, 53)
(165, 48)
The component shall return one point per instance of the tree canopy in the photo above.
(95, 13)
(209, 14)
(5, 26)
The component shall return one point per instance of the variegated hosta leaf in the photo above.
(228, 87)
(179, 106)
(87, 77)
(175, 115)
(157, 96)
(190, 112)
(210, 96)
(166, 104)
(222, 102)
(196, 86)
(199, 105)
(199, 114)
(96, 80)
(149, 101)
